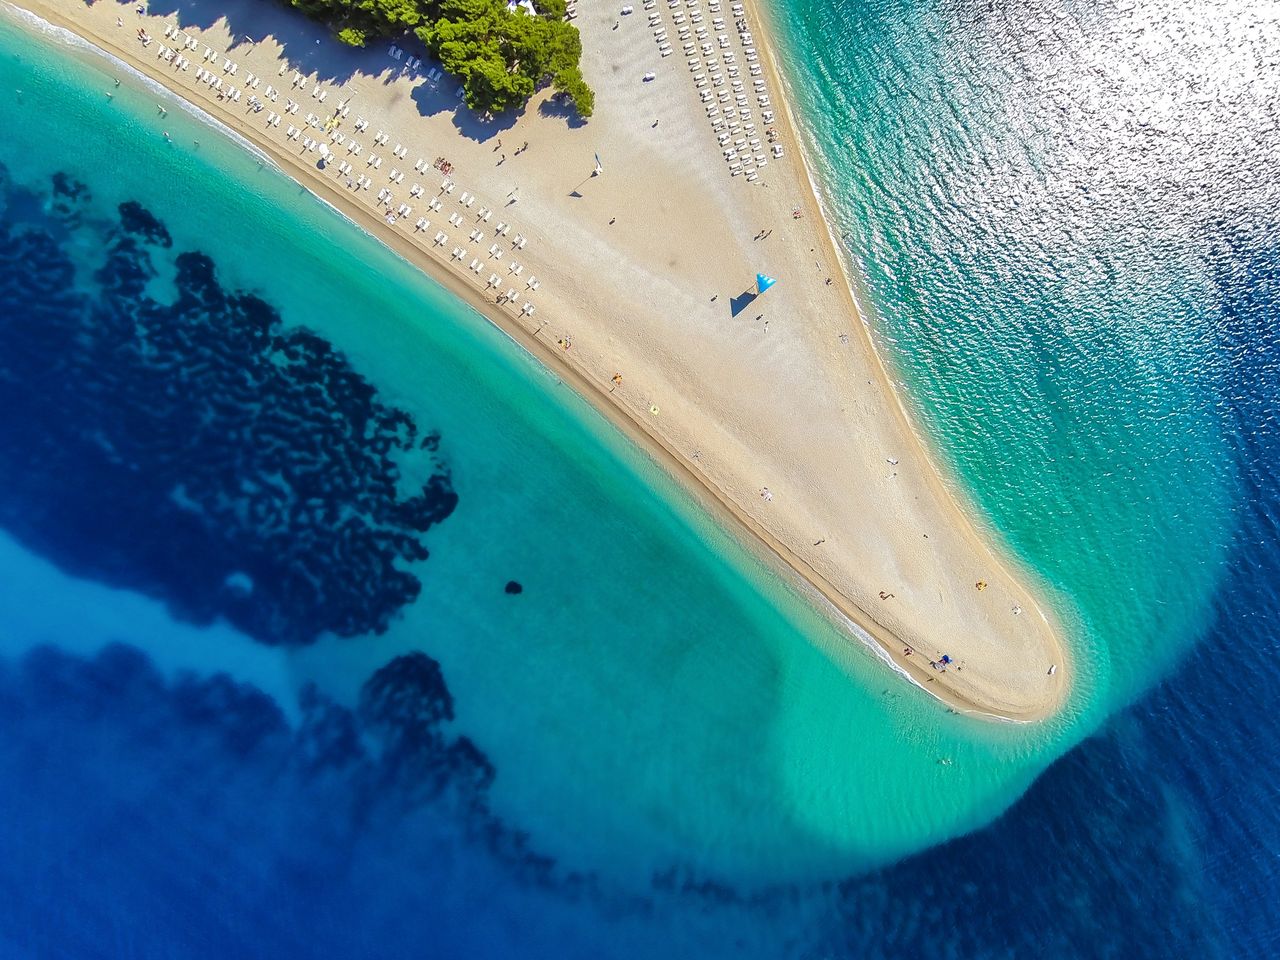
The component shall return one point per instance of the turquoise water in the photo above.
(650, 659)
(611, 761)
(1042, 274)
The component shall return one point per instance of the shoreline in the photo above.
(939, 474)
(710, 495)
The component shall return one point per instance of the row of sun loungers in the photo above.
(402, 211)
(718, 78)
(412, 63)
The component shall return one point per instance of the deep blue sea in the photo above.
(299, 658)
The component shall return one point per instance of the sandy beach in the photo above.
(776, 411)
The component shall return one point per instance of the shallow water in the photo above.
(649, 659)
(611, 760)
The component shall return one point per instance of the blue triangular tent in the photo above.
(763, 283)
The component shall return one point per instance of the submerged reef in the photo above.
(197, 449)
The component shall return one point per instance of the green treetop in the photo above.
(500, 56)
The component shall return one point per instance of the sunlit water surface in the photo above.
(224, 704)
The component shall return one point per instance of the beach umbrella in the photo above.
(763, 283)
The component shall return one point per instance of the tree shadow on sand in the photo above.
(561, 106)
(310, 48)
(443, 98)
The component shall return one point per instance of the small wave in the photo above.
(69, 38)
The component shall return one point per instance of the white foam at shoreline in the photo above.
(70, 39)
(76, 42)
